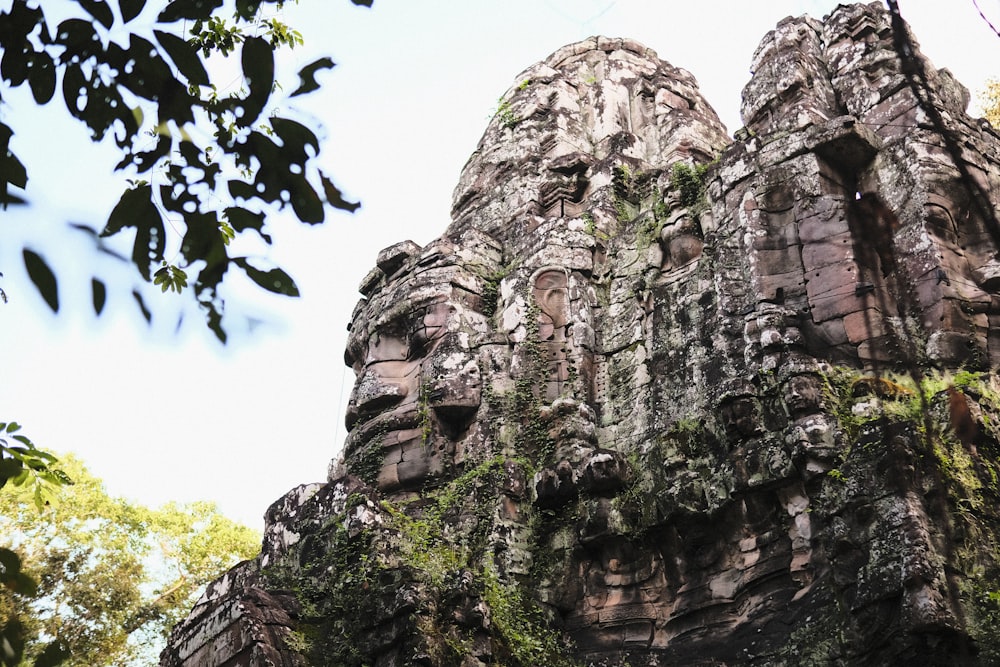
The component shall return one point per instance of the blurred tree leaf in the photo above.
(204, 166)
(43, 278)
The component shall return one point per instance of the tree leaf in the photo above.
(294, 138)
(12, 172)
(247, 9)
(13, 427)
(42, 77)
(258, 67)
(185, 56)
(362, 3)
(142, 306)
(131, 8)
(14, 64)
(306, 203)
(188, 9)
(100, 295)
(136, 209)
(43, 278)
(56, 653)
(80, 39)
(335, 198)
(9, 468)
(307, 76)
(100, 10)
(274, 280)
(242, 219)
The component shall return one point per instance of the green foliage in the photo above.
(170, 277)
(368, 463)
(989, 101)
(31, 472)
(339, 588)
(506, 114)
(113, 576)
(689, 182)
(425, 421)
(837, 474)
(984, 620)
(521, 625)
(491, 287)
(150, 89)
(25, 466)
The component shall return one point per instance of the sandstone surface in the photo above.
(661, 397)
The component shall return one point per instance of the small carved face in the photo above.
(741, 417)
(803, 395)
(418, 387)
(681, 243)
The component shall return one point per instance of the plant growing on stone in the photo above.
(504, 112)
(689, 182)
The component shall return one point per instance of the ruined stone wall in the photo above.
(659, 397)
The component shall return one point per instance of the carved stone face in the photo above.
(418, 384)
(803, 395)
(741, 417)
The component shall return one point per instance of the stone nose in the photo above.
(378, 389)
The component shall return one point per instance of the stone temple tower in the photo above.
(659, 397)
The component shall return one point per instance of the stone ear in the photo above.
(550, 295)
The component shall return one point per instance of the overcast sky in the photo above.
(163, 416)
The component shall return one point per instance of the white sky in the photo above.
(178, 417)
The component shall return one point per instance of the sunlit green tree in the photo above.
(113, 576)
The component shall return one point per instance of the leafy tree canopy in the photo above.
(112, 576)
(989, 100)
(204, 166)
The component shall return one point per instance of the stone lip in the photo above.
(635, 406)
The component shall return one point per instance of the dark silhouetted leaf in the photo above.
(213, 317)
(9, 468)
(100, 294)
(80, 39)
(242, 189)
(184, 56)
(294, 138)
(362, 3)
(247, 9)
(14, 64)
(100, 10)
(42, 77)
(242, 219)
(43, 278)
(12, 635)
(188, 9)
(10, 564)
(306, 203)
(335, 198)
(74, 85)
(258, 67)
(142, 306)
(136, 209)
(147, 160)
(307, 76)
(274, 280)
(54, 654)
(131, 8)
(12, 172)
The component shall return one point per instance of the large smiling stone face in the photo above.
(418, 386)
